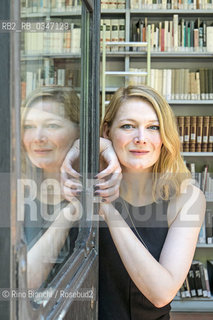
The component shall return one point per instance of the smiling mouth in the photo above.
(42, 151)
(139, 152)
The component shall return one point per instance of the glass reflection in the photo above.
(50, 125)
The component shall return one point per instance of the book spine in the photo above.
(210, 273)
(210, 144)
(209, 39)
(114, 34)
(121, 33)
(101, 34)
(181, 128)
(207, 282)
(210, 77)
(205, 133)
(186, 134)
(108, 32)
(203, 281)
(198, 283)
(202, 84)
(175, 28)
(206, 84)
(199, 133)
(209, 226)
(193, 121)
(191, 279)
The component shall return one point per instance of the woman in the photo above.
(149, 235)
(144, 259)
(50, 125)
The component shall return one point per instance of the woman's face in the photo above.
(48, 135)
(135, 135)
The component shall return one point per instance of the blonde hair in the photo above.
(169, 171)
(64, 96)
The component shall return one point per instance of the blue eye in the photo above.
(127, 126)
(53, 126)
(154, 127)
(28, 126)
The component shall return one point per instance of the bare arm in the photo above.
(43, 255)
(107, 181)
(158, 281)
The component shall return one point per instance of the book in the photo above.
(210, 274)
(191, 280)
(186, 134)
(121, 33)
(193, 121)
(210, 144)
(209, 226)
(75, 39)
(199, 133)
(114, 36)
(209, 39)
(205, 133)
(203, 280)
(181, 128)
(198, 282)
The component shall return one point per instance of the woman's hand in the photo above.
(107, 181)
(70, 178)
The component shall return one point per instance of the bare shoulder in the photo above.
(190, 202)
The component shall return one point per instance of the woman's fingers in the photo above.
(71, 157)
(67, 168)
(107, 199)
(111, 169)
(73, 184)
(113, 181)
(69, 194)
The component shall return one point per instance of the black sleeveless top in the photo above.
(36, 224)
(119, 298)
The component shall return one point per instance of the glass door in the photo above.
(54, 101)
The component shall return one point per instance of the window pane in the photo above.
(50, 113)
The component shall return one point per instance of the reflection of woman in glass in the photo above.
(50, 124)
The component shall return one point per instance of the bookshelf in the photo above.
(50, 53)
(195, 102)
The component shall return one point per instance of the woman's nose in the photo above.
(140, 137)
(40, 135)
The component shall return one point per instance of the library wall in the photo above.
(181, 40)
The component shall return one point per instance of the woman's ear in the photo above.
(106, 131)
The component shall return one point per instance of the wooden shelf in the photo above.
(26, 57)
(197, 154)
(204, 246)
(73, 13)
(192, 304)
(169, 12)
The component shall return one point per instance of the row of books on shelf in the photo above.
(113, 4)
(53, 42)
(44, 6)
(206, 231)
(172, 4)
(179, 35)
(115, 31)
(49, 75)
(204, 180)
(196, 133)
(178, 84)
(199, 281)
